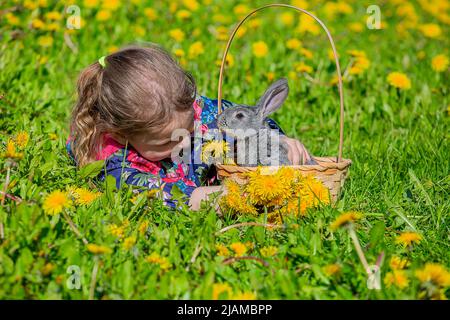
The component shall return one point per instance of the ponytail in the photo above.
(85, 126)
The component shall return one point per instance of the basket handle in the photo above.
(338, 68)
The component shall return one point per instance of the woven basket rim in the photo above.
(324, 164)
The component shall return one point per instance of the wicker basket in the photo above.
(332, 171)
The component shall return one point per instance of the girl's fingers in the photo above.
(294, 151)
(303, 151)
(299, 151)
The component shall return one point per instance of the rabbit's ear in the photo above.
(273, 98)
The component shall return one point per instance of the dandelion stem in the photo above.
(5, 188)
(93, 279)
(194, 255)
(74, 228)
(10, 196)
(234, 259)
(361, 256)
(243, 224)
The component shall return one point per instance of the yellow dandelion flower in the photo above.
(129, 242)
(84, 196)
(196, 49)
(90, 3)
(52, 136)
(45, 41)
(241, 9)
(241, 31)
(287, 18)
(354, 70)
(183, 14)
(150, 13)
(356, 27)
(360, 64)
(222, 250)
(54, 15)
(314, 189)
(260, 49)
(155, 258)
(12, 19)
(143, 227)
(303, 4)
(270, 76)
(111, 4)
(98, 249)
(112, 49)
(47, 269)
(220, 18)
(250, 245)
(55, 202)
(308, 24)
(173, 7)
(237, 204)
(52, 26)
(238, 248)
(301, 67)
(103, 15)
(269, 251)
(296, 206)
(408, 238)
(37, 24)
(244, 296)
(139, 31)
(116, 230)
(177, 34)
(306, 53)
(191, 4)
(331, 269)
(330, 54)
(293, 44)
(221, 33)
(399, 80)
(11, 151)
(214, 149)
(430, 30)
(440, 63)
(434, 273)
(292, 75)
(221, 290)
(345, 218)
(30, 4)
(397, 263)
(356, 53)
(263, 188)
(229, 61)
(179, 52)
(396, 278)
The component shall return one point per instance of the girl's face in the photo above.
(155, 147)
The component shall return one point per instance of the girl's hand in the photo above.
(297, 153)
(202, 193)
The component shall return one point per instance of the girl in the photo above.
(128, 105)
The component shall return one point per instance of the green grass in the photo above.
(398, 142)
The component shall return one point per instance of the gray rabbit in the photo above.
(256, 141)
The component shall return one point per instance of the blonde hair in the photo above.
(139, 89)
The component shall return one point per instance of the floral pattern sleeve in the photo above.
(126, 165)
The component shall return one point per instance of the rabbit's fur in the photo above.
(246, 124)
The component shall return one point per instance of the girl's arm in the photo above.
(203, 193)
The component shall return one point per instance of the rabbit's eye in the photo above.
(239, 115)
